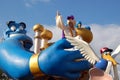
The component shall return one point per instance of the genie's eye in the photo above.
(21, 27)
(13, 28)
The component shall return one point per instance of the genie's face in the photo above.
(17, 31)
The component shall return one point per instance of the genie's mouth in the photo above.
(13, 35)
(25, 40)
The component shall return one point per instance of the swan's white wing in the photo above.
(84, 48)
(59, 21)
(116, 52)
(116, 75)
(109, 66)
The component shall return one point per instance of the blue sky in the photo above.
(44, 11)
(100, 12)
(102, 15)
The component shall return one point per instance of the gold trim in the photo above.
(34, 67)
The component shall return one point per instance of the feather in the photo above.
(108, 68)
(116, 77)
(84, 48)
(116, 52)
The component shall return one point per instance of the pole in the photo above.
(37, 39)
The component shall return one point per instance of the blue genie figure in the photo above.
(18, 62)
(18, 30)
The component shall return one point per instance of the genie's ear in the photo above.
(23, 24)
(10, 22)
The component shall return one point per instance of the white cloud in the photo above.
(30, 3)
(38, 1)
(57, 33)
(103, 35)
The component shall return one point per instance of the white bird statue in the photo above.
(89, 54)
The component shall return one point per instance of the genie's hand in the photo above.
(57, 61)
(14, 56)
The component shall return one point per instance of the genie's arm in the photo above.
(62, 61)
(16, 61)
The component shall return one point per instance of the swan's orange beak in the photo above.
(107, 56)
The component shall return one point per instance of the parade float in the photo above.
(70, 58)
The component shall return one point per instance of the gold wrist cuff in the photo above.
(34, 67)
